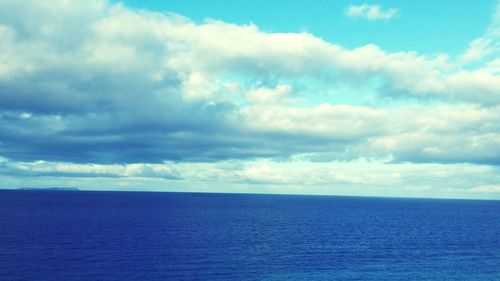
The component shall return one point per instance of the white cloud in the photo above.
(478, 49)
(492, 188)
(334, 122)
(164, 48)
(359, 177)
(370, 12)
(63, 169)
(269, 96)
(463, 133)
(476, 86)
(486, 47)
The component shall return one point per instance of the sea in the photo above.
(86, 235)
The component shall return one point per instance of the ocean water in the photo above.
(57, 235)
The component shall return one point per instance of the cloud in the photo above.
(44, 169)
(264, 175)
(119, 86)
(121, 51)
(269, 96)
(420, 134)
(494, 188)
(487, 46)
(370, 12)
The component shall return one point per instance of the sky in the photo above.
(382, 98)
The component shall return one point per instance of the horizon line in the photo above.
(75, 189)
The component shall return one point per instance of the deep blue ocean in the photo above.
(65, 235)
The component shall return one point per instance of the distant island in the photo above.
(50, 188)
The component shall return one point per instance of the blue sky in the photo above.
(383, 98)
(422, 26)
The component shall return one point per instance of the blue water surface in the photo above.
(70, 235)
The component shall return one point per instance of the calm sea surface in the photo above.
(57, 235)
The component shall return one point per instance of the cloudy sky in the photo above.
(386, 98)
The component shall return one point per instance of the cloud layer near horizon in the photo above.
(101, 84)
